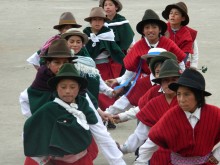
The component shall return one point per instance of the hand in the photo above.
(49, 163)
(105, 116)
(118, 92)
(213, 160)
(117, 119)
(111, 82)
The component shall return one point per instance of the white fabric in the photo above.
(116, 23)
(150, 45)
(129, 114)
(108, 36)
(34, 59)
(104, 88)
(136, 139)
(194, 58)
(73, 109)
(151, 78)
(105, 142)
(24, 103)
(216, 152)
(88, 61)
(182, 65)
(148, 148)
(128, 74)
(120, 105)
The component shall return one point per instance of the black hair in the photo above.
(200, 97)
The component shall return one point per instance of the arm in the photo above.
(145, 152)
(136, 139)
(129, 115)
(24, 102)
(104, 88)
(216, 155)
(195, 56)
(105, 142)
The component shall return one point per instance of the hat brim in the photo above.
(52, 83)
(166, 13)
(141, 25)
(57, 27)
(55, 56)
(88, 19)
(158, 80)
(175, 86)
(84, 36)
(147, 58)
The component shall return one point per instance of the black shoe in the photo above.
(110, 125)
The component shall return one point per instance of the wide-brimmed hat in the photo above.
(67, 71)
(169, 68)
(191, 78)
(75, 32)
(59, 49)
(161, 58)
(181, 6)
(153, 52)
(67, 18)
(119, 4)
(151, 17)
(97, 12)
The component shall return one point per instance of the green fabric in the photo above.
(123, 33)
(54, 131)
(37, 98)
(111, 46)
(83, 52)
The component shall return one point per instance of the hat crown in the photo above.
(169, 68)
(68, 70)
(167, 55)
(59, 49)
(119, 4)
(150, 14)
(97, 12)
(193, 77)
(182, 6)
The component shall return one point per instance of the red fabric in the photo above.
(92, 153)
(151, 93)
(150, 115)
(173, 131)
(140, 48)
(141, 87)
(108, 71)
(182, 38)
(192, 32)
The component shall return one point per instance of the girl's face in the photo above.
(110, 8)
(56, 63)
(157, 70)
(68, 90)
(151, 32)
(96, 24)
(165, 82)
(75, 43)
(175, 17)
(186, 99)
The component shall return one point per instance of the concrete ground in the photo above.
(27, 24)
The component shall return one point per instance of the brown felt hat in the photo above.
(59, 49)
(151, 17)
(97, 12)
(181, 6)
(117, 2)
(67, 18)
(75, 32)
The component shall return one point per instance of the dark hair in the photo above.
(199, 95)
(156, 65)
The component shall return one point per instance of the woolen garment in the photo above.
(174, 132)
(132, 59)
(193, 33)
(56, 131)
(111, 46)
(151, 93)
(121, 31)
(149, 115)
(141, 87)
(182, 37)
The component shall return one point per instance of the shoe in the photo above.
(110, 125)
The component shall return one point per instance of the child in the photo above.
(118, 24)
(180, 33)
(40, 93)
(67, 21)
(191, 129)
(62, 127)
(104, 50)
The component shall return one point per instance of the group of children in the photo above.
(81, 73)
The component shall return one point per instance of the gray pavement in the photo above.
(27, 24)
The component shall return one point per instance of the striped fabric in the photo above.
(174, 132)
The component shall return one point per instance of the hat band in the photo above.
(67, 22)
(154, 53)
(56, 53)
